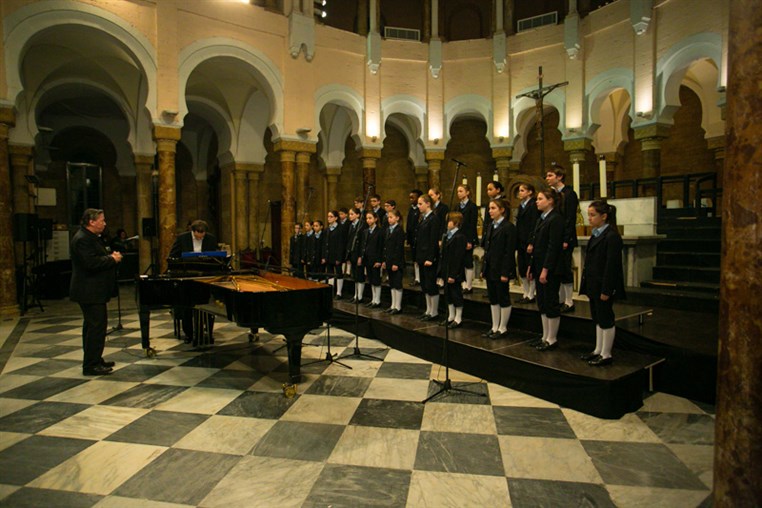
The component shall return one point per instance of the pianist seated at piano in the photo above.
(198, 239)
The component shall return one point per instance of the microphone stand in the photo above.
(446, 385)
(357, 351)
(118, 304)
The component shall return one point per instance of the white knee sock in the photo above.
(398, 302)
(458, 314)
(598, 340)
(562, 293)
(544, 319)
(435, 305)
(339, 286)
(495, 311)
(525, 287)
(532, 289)
(469, 278)
(376, 290)
(331, 282)
(569, 293)
(608, 341)
(417, 272)
(505, 315)
(553, 324)
(360, 290)
(428, 304)
(450, 312)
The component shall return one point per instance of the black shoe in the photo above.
(487, 334)
(423, 316)
(535, 343)
(445, 322)
(600, 361)
(414, 284)
(427, 317)
(394, 312)
(452, 325)
(107, 364)
(523, 300)
(369, 304)
(545, 346)
(337, 297)
(589, 356)
(387, 311)
(567, 308)
(532, 300)
(99, 370)
(468, 291)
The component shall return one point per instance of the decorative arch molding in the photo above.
(26, 22)
(672, 66)
(342, 96)
(411, 130)
(268, 74)
(470, 105)
(407, 105)
(598, 89)
(218, 119)
(523, 113)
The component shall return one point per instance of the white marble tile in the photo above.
(398, 389)
(438, 372)
(182, 376)
(233, 435)
(19, 362)
(698, 458)
(28, 348)
(127, 502)
(628, 428)
(273, 383)
(99, 469)
(74, 341)
(7, 490)
(502, 396)
(465, 418)
(322, 409)
(279, 482)
(398, 356)
(376, 447)
(93, 392)
(666, 403)
(8, 439)
(96, 422)
(547, 459)
(200, 400)
(451, 490)
(75, 355)
(8, 406)
(652, 497)
(10, 381)
(360, 368)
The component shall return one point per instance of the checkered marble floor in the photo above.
(213, 428)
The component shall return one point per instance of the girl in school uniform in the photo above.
(394, 258)
(318, 261)
(427, 253)
(371, 256)
(439, 208)
(333, 252)
(526, 220)
(354, 245)
(499, 267)
(602, 278)
(468, 228)
(546, 265)
(452, 269)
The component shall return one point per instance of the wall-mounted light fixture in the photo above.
(644, 114)
(303, 131)
(436, 141)
(374, 138)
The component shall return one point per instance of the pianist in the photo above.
(198, 239)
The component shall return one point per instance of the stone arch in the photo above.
(598, 89)
(523, 111)
(470, 105)
(408, 114)
(347, 98)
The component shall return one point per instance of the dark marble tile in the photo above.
(308, 367)
(640, 464)
(43, 388)
(48, 330)
(532, 421)
(405, 370)
(231, 379)
(127, 356)
(145, 396)
(299, 440)
(39, 416)
(54, 320)
(365, 353)
(47, 367)
(340, 386)
(125, 342)
(52, 351)
(179, 476)
(459, 453)
(35, 498)
(137, 373)
(213, 361)
(160, 428)
(30, 458)
(540, 493)
(49, 339)
(353, 486)
(461, 393)
(394, 414)
(682, 428)
(259, 405)
(336, 342)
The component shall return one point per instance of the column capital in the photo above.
(654, 130)
(333, 172)
(435, 155)
(578, 145)
(715, 143)
(370, 153)
(21, 151)
(303, 157)
(164, 132)
(332, 178)
(141, 159)
(7, 116)
(292, 145)
(287, 156)
(502, 152)
(577, 156)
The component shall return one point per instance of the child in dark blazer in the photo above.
(603, 278)
(333, 252)
(468, 228)
(526, 220)
(547, 266)
(354, 246)
(308, 249)
(394, 258)
(499, 267)
(318, 261)
(452, 269)
(295, 251)
(371, 256)
(427, 253)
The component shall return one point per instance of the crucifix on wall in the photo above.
(538, 96)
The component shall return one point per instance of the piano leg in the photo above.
(294, 343)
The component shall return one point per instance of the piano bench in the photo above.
(203, 327)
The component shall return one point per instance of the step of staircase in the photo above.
(709, 245)
(693, 259)
(687, 273)
(668, 286)
(675, 298)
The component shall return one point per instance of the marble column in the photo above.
(144, 197)
(650, 137)
(579, 151)
(255, 204)
(332, 179)
(288, 200)
(434, 158)
(502, 158)
(304, 198)
(21, 159)
(8, 305)
(166, 144)
(421, 178)
(369, 157)
(612, 162)
(241, 219)
(738, 423)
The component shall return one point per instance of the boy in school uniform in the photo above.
(394, 259)
(452, 269)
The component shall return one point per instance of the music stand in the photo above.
(446, 385)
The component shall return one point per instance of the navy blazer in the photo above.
(354, 242)
(499, 251)
(526, 220)
(603, 272)
(413, 217)
(295, 249)
(372, 246)
(569, 212)
(184, 243)
(487, 221)
(394, 248)
(452, 265)
(470, 218)
(334, 245)
(441, 212)
(427, 240)
(548, 244)
(93, 276)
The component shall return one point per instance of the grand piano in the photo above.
(256, 299)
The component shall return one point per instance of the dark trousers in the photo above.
(498, 292)
(373, 275)
(93, 333)
(395, 278)
(358, 272)
(602, 312)
(334, 271)
(547, 296)
(185, 315)
(468, 258)
(455, 294)
(429, 280)
(566, 261)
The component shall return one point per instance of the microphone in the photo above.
(371, 186)
(132, 238)
(460, 163)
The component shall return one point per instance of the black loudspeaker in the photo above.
(45, 229)
(149, 227)
(25, 227)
